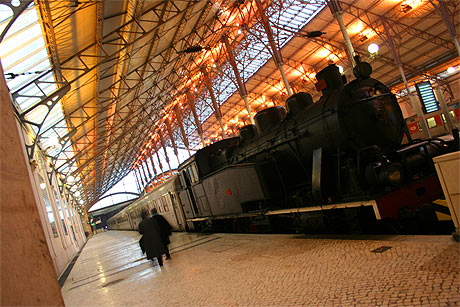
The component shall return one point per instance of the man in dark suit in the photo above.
(165, 229)
(151, 241)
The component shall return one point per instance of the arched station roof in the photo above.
(127, 78)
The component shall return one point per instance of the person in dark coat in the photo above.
(165, 229)
(151, 239)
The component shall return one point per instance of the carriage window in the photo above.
(166, 202)
(156, 205)
(182, 181)
(195, 171)
(192, 173)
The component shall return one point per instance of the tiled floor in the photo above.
(267, 270)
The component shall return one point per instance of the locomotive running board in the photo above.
(228, 216)
(370, 203)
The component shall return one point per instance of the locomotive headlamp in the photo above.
(340, 69)
(394, 174)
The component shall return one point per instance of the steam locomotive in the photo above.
(334, 165)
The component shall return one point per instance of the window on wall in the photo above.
(49, 209)
(61, 214)
(431, 122)
(73, 233)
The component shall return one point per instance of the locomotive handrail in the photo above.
(370, 98)
(272, 141)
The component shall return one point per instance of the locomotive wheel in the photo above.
(408, 219)
(427, 219)
(388, 226)
(456, 236)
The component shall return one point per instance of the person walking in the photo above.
(165, 230)
(151, 240)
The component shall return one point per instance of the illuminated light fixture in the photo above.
(373, 48)
(77, 193)
(194, 48)
(42, 185)
(313, 34)
(214, 65)
(70, 179)
(451, 70)
(81, 202)
(405, 7)
(340, 69)
(239, 31)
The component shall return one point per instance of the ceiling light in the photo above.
(43, 185)
(77, 193)
(405, 7)
(81, 202)
(194, 48)
(373, 48)
(70, 179)
(313, 34)
(451, 70)
(340, 69)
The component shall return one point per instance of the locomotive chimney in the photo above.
(297, 102)
(331, 77)
(269, 118)
(247, 133)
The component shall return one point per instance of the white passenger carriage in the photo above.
(164, 197)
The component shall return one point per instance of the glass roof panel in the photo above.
(23, 55)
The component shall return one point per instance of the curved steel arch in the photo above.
(17, 10)
(131, 193)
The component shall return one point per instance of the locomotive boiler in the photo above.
(344, 148)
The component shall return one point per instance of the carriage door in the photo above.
(177, 209)
(189, 202)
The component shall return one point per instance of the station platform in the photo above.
(267, 270)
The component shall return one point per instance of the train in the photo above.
(337, 165)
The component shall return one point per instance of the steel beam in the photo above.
(171, 137)
(163, 144)
(241, 86)
(215, 105)
(415, 104)
(177, 111)
(191, 103)
(277, 58)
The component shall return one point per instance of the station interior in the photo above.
(293, 146)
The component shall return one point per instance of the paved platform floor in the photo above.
(268, 270)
